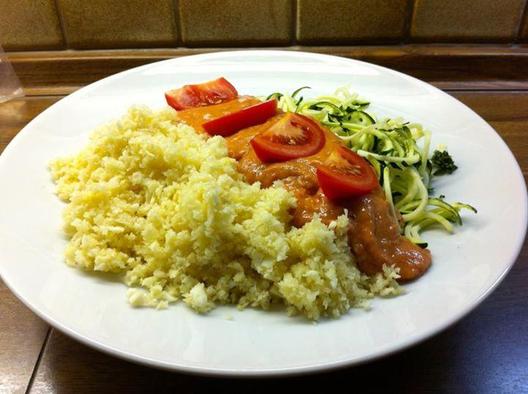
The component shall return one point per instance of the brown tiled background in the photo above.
(102, 24)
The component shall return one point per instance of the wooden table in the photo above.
(486, 352)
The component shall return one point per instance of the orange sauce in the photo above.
(375, 239)
(374, 234)
(196, 117)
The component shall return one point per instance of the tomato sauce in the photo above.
(375, 239)
(197, 116)
(374, 234)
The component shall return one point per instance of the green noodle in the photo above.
(404, 169)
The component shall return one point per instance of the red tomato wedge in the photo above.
(207, 93)
(247, 117)
(346, 174)
(291, 137)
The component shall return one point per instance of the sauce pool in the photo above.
(374, 234)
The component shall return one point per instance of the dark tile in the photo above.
(118, 24)
(29, 25)
(350, 21)
(466, 20)
(236, 22)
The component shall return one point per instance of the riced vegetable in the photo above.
(164, 207)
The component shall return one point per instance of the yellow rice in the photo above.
(151, 199)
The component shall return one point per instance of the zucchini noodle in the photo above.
(405, 170)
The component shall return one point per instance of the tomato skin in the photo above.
(337, 184)
(207, 93)
(289, 127)
(231, 123)
(185, 97)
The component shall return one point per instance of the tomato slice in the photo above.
(207, 93)
(247, 117)
(291, 137)
(346, 174)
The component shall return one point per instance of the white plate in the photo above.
(93, 309)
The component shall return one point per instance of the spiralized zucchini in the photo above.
(404, 169)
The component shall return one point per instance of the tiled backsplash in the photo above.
(118, 23)
(467, 21)
(29, 24)
(351, 21)
(236, 22)
(61, 24)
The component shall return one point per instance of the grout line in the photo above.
(524, 16)
(408, 22)
(177, 22)
(39, 359)
(516, 89)
(479, 90)
(421, 49)
(294, 22)
(61, 23)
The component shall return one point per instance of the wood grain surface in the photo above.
(453, 67)
(22, 335)
(486, 352)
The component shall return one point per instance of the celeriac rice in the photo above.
(153, 200)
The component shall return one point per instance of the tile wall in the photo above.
(103, 24)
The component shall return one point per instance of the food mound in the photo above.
(230, 199)
(166, 207)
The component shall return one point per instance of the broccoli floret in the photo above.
(442, 163)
